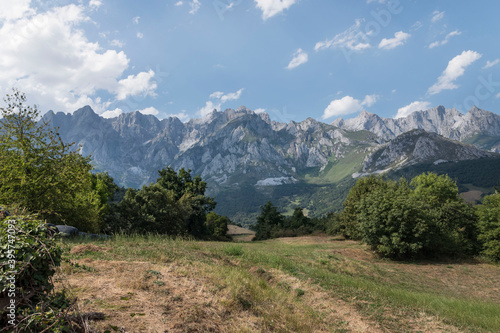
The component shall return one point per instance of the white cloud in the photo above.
(11, 10)
(370, 100)
(195, 6)
(348, 105)
(412, 107)
(400, 38)
(182, 116)
(140, 35)
(178, 3)
(456, 68)
(136, 19)
(490, 64)
(437, 15)
(299, 57)
(150, 111)
(95, 3)
(273, 7)
(231, 96)
(117, 43)
(112, 113)
(217, 94)
(135, 85)
(445, 40)
(379, 1)
(46, 56)
(260, 110)
(353, 39)
(498, 95)
(217, 99)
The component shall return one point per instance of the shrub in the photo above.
(423, 220)
(29, 256)
(489, 226)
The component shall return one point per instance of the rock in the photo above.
(66, 230)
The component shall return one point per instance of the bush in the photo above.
(29, 256)
(423, 220)
(489, 226)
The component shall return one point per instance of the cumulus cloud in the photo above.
(490, 64)
(178, 3)
(352, 39)
(150, 111)
(412, 107)
(260, 110)
(456, 68)
(445, 40)
(11, 10)
(195, 6)
(348, 105)
(299, 57)
(136, 19)
(436, 16)
(112, 113)
(217, 99)
(270, 8)
(140, 35)
(49, 58)
(400, 38)
(95, 3)
(498, 95)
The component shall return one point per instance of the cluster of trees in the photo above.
(422, 218)
(44, 175)
(272, 224)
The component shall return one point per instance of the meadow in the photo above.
(304, 284)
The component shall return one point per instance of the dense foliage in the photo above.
(29, 255)
(489, 226)
(43, 174)
(175, 205)
(272, 224)
(402, 220)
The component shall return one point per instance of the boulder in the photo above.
(67, 231)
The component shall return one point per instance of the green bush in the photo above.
(29, 256)
(489, 226)
(421, 220)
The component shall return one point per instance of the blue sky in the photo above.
(291, 58)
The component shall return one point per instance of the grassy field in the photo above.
(303, 284)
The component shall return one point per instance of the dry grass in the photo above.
(301, 284)
(240, 234)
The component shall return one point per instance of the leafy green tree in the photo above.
(425, 219)
(269, 222)
(174, 205)
(489, 226)
(217, 224)
(192, 190)
(42, 173)
(349, 225)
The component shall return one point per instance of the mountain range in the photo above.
(246, 156)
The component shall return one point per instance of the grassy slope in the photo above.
(149, 284)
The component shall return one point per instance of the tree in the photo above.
(217, 224)
(42, 173)
(269, 222)
(192, 190)
(424, 219)
(489, 226)
(348, 219)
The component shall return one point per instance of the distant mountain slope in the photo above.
(478, 127)
(419, 146)
(248, 159)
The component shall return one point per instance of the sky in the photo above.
(293, 59)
